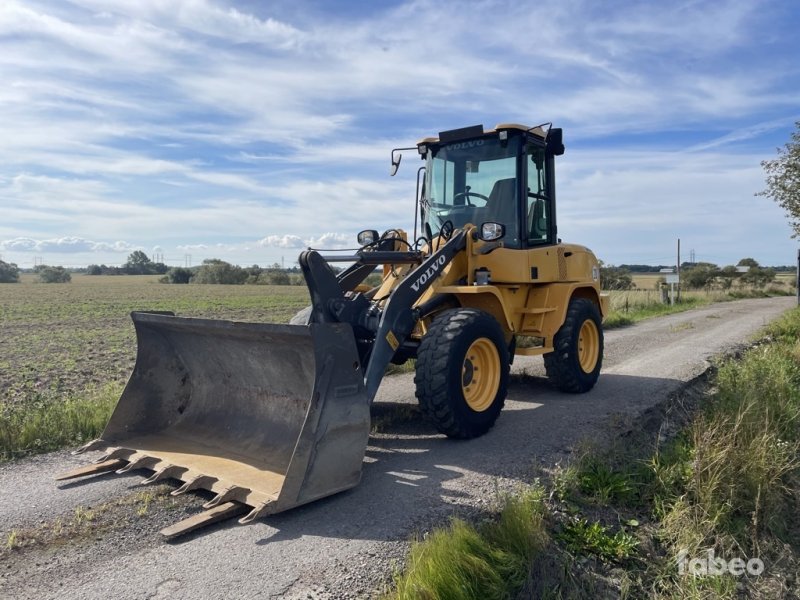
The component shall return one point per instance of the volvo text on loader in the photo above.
(268, 417)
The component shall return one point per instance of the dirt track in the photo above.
(413, 478)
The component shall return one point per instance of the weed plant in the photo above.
(47, 420)
(464, 562)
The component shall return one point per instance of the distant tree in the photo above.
(758, 277)
(615, 278)
(138, 263)
(783, 179)
(747, 262)
(94, 270)
(179, 275)
(214, 270)
(727, 275)
(274, 277)
(49, 274)
(9, 272)
(700, 276)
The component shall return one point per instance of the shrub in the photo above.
(274, 277)
(214, 270)
(9, 272)
(53, 274)
(178, 275)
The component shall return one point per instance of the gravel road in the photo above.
(347, 545)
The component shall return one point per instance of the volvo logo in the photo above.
(466, 145)
(429, 273)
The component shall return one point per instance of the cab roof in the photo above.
(477, 131)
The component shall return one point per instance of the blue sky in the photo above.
(249, 130)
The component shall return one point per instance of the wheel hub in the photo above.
(588, 346)
(480, 374)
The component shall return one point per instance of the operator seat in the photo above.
(502, 208)
(537, 222)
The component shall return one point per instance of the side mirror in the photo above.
(366, 237)
(397, 157)
(492, 231)
(555, 141)
(395, 164)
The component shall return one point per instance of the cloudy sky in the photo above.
(247, 131)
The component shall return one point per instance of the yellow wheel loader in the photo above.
(268, 417)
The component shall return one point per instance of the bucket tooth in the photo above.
(201, 481)
(103, 467)
(141, 461)
(165, 472)
(93, 445)
(227, 510)
(123, 453)
(233, 492)
(257, 512)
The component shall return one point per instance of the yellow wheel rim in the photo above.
(480, 374)
(588, 346)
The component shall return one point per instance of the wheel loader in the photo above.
(267, 417)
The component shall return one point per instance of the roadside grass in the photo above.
(725, 480)
(47, 420)
(631, 306)
(728, 483)
(464, 561)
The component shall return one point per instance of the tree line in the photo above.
(698, 276)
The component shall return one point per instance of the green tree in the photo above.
(9, 272)
(179, 275)
(214, 270)
(747, 262)
(138, 263)
(615, 278)
(49, 274)
(727, 274)
(783, 179)
(700, 276)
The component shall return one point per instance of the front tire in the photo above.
(462, 372)
(574, 365)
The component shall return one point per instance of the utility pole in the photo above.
(678, 270)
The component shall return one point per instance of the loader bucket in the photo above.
(267, 416)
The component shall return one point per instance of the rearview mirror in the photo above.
(395, 165)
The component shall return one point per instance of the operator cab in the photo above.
(504, 176)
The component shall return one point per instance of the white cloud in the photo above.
(67, 245)
(197, 124)
(283, 241)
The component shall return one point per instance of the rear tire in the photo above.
(462, 372)
(574, 365)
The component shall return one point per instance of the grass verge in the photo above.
(465, 561)
(628, 307)
(719, 482)
(46, 420)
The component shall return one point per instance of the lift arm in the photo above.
(388, 327)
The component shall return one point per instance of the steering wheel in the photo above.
(468, 194)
